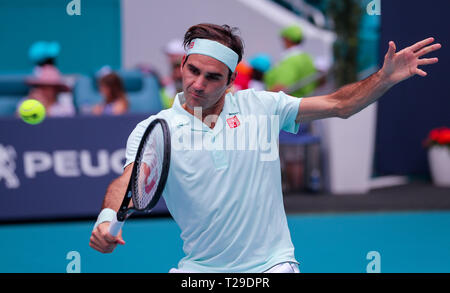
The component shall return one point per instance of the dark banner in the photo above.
(61, 167)
(412, 108)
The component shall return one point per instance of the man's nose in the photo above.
(199, 83)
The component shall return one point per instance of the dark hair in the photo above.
(223, 34)
(114, 82)
(47, 61)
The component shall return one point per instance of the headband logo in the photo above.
(192, 45)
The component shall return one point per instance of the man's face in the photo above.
(288, 43)
(204, 81)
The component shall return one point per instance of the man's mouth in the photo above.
(197, 96)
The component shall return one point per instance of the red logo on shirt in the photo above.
(233, 122)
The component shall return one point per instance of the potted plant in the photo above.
(438, 143)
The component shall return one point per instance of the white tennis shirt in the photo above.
(224, 184)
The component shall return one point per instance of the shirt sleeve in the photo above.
(134, 139)
(284, 106)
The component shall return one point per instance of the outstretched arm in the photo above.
(352, 98)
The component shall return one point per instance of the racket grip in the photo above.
(115, 226)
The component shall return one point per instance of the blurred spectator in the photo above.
(295, 66)
(172, 84)
(243, 76)
(260, 64)
(104, 70)
(115, 101)
(46, 85)
(290, 76)
(43, 53)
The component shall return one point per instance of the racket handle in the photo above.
(115, 226)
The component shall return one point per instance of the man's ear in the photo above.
(182, 63)
(232, 78)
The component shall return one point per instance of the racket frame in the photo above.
(125, 211)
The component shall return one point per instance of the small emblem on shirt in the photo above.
(233, 122)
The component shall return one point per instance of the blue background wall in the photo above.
(88, 41)
(411, 109)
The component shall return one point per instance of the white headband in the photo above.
(215, 50)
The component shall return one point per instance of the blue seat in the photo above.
(142, 91)
(12, 89)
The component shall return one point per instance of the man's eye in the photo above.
(212, 78)
(194, 70)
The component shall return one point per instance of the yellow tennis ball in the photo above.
(32, 111)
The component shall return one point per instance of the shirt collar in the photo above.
(230, 109)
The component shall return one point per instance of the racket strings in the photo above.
(149, 169)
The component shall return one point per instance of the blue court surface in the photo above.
(406, 242)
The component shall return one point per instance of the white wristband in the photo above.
(106, 215)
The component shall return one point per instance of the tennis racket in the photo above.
(149, 174)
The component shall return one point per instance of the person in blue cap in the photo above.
(260, 64)
(43, 53)
(55, 95)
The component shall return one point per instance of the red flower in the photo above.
(438, 136)
(444, 136)
(434, 134)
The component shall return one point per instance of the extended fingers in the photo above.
(428, 49)
(421, 72)
(427, 61)
(419, 45)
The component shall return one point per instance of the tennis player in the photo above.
(228, 203)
